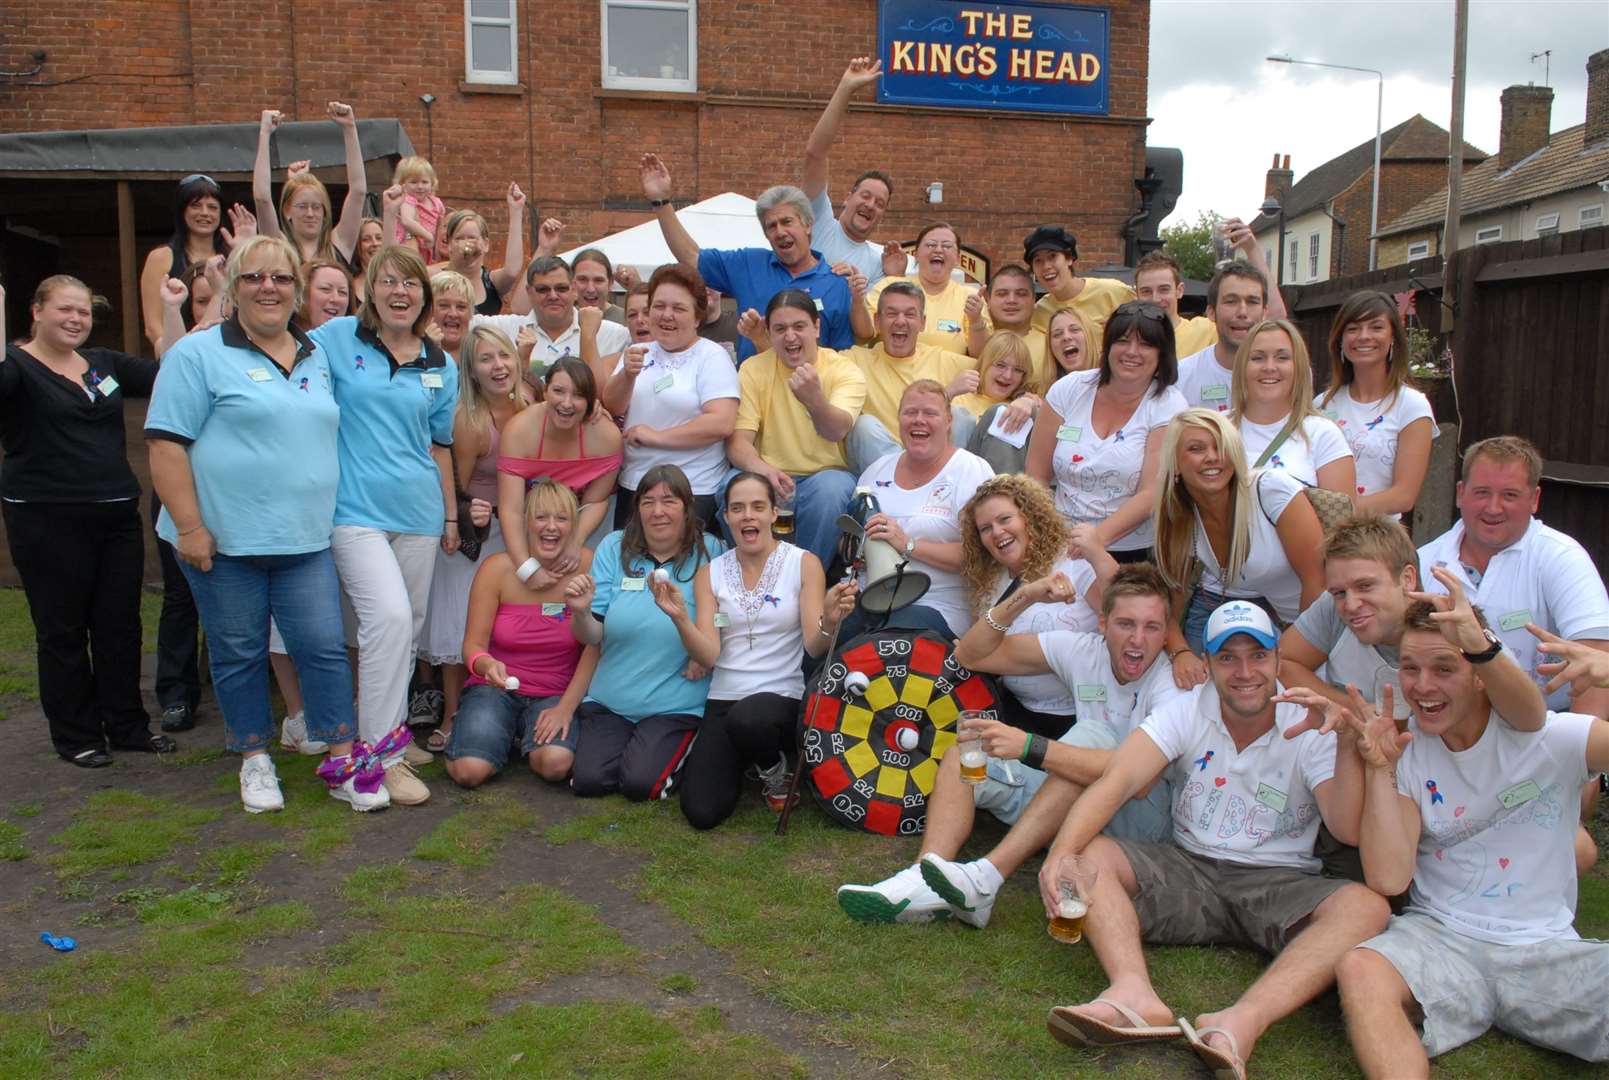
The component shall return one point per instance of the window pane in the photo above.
(647, 43)
(490, 49)
(491, 9)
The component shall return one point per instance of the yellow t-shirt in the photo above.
(784, 434)
(944, 316)
(1095, 301)
(976, 404)
(1193, 335)
(887, 378)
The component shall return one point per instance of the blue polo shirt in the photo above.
(753, 276)
(262, 441)
(640, 666)
(391, 413)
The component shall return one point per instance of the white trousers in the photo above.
(386, 579)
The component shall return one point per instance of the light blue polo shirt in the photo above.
(262, 443)
(640, 668)
(754, 275)
(390, 415)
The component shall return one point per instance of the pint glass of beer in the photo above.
(1075, 886)
(783, 528)
(969, 745)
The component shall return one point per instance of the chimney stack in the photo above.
(1278, 182)
(1527, 115)
(1597, 98)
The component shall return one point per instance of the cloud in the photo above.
(1214, 96)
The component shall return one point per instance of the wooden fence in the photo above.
(1530, 348)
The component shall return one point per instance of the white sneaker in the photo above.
(963, 886)
(378, 799)
(405, 787)
(293, 736)
(259, 785)
(903, 898)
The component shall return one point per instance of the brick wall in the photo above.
(1403, 185)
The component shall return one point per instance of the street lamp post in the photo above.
(1379, 111)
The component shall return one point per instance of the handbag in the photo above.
(1332, 507)
(470, 535)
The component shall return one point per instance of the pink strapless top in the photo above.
(538, 649)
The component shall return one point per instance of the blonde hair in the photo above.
(1046, 534)
(924, 386)
(552, 496)
(1174, 516)
(451, 283)
(1091, 357)
(1004, 344)
(1374, 537)
(473, 403)
(414, 167)
(1301, 404)
(1505, 449)
(322, 248)
(249, 247)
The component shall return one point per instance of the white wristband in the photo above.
(527, 568)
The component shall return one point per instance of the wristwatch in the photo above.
(910, 547)
(1487, 654)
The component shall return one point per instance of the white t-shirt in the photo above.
(1083, 665)
(1496, 857)
(1267, 572)
(1047, 693)
(1094, 476)
(612, 337)
(1203, 382)
(827, 236)
(1299, 457)
(932, 512)
(1371, 429)
(671, 390)
(1255, 806)
(1544, 577)
(771, 664)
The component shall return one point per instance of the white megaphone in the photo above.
(891, 584)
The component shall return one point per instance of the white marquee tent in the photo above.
(722, 221)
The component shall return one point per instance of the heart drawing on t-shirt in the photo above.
(1360, 489)
(1458, 811)
(1219, 781)
(1438, 854)
(1077, 458)
(1503, 863)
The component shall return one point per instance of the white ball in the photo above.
(661, 575)
(907, 738)
(511, 683)
(856, 683)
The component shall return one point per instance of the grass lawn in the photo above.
(518, 931)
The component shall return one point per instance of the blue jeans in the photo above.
(818, 500)
(303, 595)
(1200, 608)
(490, 721)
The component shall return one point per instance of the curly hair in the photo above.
(1046, 535)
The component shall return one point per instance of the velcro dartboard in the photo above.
(871, 754)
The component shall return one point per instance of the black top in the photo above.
(493, 304)
(61, 444)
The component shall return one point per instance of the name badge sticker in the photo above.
(819, 305)
(1069, 433)
(632, 584)
(1215, 392)
(1272, 797)
(1518, 795)
(722, 620)
(1091, 692)
(430, 380)
(258, 374)
(663, 383)
(553, 609)
(949, 326)
(1515, 620)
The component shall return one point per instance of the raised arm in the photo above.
(985, 647)
(262, 184)
(1245, 241)
(1388, 832)
(1511, 690)
(508, 275)
(862, 71)
(616, 395)
(345, 236)
(696, 628)
(152, 275)
(174, 297)
(657, 186)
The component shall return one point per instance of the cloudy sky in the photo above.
(1214, 96)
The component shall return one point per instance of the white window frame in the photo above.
(1295, 262)
(1547, 224)
(1419, 249)
(1492, 234)
(1589, 216)
(1312, 256)
(688, 85)
(492, 76)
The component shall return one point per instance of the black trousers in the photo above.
(81, 565)
(178, 672)
(639, 760)
(735, 734)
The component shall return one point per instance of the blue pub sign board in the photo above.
(1038, 57)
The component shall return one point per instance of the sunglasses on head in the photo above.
(198, 178)
(1141, 309)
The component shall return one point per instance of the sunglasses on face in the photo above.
(257, 277)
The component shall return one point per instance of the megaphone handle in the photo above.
(798, 765)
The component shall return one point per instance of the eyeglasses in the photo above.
(307, 208)
(544, 290)
(257, 277)
(410, 284)
(937, 245)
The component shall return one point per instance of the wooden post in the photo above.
(127, 270)
(1455, 168)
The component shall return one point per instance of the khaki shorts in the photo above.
(1189, 899)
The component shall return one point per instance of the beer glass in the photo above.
(969, 744)
(783, 528)
(1075, 887)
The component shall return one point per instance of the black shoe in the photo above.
(148, 742)
(91, 757)
(178, 718)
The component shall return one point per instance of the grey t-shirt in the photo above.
(1368, 667)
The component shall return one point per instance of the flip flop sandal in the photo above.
(1080, 1029)
(149, 742)
(437, 742)
(1225, 1064)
